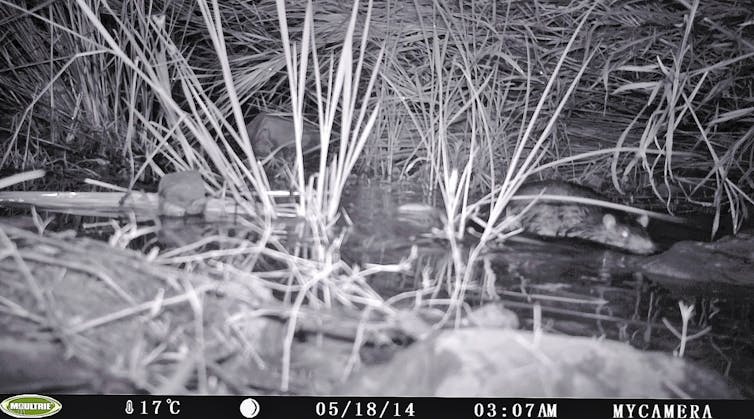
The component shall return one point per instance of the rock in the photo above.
(720, 268)
(182, 193)
(508, 363)
(269, 132)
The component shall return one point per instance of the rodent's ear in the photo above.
(608, 220)
(643, 220)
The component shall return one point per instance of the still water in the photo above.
(583, 289)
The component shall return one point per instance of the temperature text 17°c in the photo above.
(153, 407)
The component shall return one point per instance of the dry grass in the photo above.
(487, 65)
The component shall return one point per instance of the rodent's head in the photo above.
(629, 236)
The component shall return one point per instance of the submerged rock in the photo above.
(721, 268)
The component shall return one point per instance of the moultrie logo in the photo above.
(30, 406)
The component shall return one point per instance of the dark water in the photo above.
(582, 289)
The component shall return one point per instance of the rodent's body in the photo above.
(551, 218)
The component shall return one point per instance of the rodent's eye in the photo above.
(624, 233)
